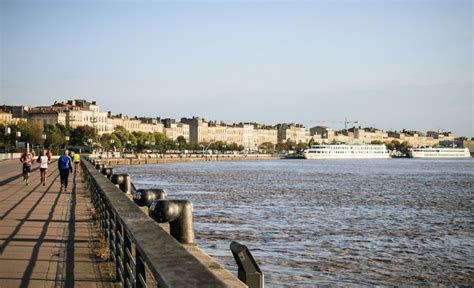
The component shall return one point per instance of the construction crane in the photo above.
(345, 122)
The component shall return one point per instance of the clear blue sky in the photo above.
(392, 64)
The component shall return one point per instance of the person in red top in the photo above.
(27, 159)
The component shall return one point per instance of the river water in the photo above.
(342, 222)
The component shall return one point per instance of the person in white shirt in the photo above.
(44, 161)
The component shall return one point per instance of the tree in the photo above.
(31, 132)
(290, 144)
(160, 141)
(267, 147)
(107, 139)
(195, 147)
(300, 147)
(169, 145)
(218, 145)
(281, 147)
(144, 140)
(55, 137)
(182, 144)
(82, 134)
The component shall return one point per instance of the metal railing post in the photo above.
(140, 274)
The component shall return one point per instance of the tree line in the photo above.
(57, 137)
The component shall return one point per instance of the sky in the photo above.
(388, 64)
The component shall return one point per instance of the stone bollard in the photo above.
(107, 172)
(144, 197)
(123, 181)
(179, 213)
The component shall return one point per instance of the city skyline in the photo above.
(48, 108)
(390, 65)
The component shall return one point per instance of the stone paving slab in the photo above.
(47, 236)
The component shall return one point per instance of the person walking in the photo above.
(43, 160)
(64, 167)
(27, 159)
(77, 162)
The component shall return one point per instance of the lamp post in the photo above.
(90, 143)
(8, 131)
(112, 141)
(18, 135)
(43, 136)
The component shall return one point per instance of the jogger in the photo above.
(64, 167)
(44, 161)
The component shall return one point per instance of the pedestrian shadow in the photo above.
(13, 178)
(49, 176)
(71, 235)
(24, 219)
(19, 202)
(34, 255)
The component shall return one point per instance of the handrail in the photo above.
(126, 226)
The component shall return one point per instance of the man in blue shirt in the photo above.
(64, 167)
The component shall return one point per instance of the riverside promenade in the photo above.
(47, 237)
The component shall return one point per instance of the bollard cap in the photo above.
(145, 197)
(244, 258)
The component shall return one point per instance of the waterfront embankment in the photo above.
(176, 158)
(172, 261)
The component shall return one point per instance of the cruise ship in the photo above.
(346, 152)
(439, 153)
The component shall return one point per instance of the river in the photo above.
(332, 222)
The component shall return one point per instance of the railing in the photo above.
(137, 243)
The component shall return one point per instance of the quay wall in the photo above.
(177, 159)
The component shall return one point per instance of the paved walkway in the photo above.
(46, 236)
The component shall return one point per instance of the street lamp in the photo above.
(8, 131)
(18, 135)
(43, 136)
(112, 141)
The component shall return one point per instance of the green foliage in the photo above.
(182, 144)
(30, 132)
(81, 134)
(268, 147)
(301, 146)
(396, 145)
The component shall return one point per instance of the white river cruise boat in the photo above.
(439, 153)
(346, 152)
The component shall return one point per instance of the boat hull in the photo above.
(439, 153)
(312, 156)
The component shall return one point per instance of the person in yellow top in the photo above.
(77, 162)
